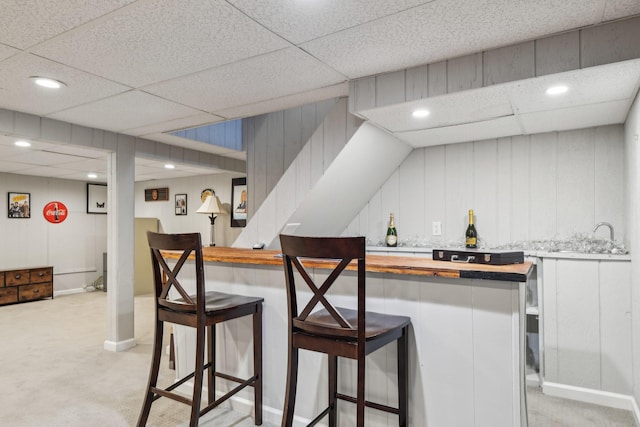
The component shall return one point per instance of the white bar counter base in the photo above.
(466, 341)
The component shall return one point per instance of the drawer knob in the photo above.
(41, 274)
(35, 291)
(18, 276)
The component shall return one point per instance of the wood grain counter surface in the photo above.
(409, 265)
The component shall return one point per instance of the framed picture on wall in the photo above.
(239, 202)
(96, 198)
(19, 205)
(181, 204)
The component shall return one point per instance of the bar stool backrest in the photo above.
(187, 244)
(340, 252)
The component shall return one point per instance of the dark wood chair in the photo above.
(338, 331)
(202, 311)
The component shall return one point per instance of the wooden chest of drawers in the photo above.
(26, 284)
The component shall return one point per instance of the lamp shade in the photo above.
(211, 205)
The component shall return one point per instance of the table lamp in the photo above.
(211, 206)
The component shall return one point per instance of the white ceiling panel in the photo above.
(494, 128)
(605, 113)
(11, 166)
(159, 40)
(27, 22)
(43, 158)
(201, 119)
(86, 153)
(301, 21)
(125, 111)
(588, 86)
(150, 66)
(272, 75)
(22, 94)
(282, 103)
(86, 165)
(7, 51)
(615, 9)
(50, 171)
(446, 29)
(456, 108)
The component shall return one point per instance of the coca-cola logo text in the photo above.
(55, 212)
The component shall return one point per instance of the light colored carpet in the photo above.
(54, 372)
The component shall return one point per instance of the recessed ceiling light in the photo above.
(557, 90)
(22, 143)
(420, 114)
(92, 175)
(169, 166)
(48, 83)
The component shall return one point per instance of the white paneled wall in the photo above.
(526, 187)
(632, 209)
(192, 222)
(74, 247)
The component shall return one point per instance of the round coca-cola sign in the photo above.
(55, 212)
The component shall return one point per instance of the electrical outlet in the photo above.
(436, 228)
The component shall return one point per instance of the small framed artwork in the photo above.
(181, 204)
(19, 205)
(96, 198)
(156, 194)
(239, 202)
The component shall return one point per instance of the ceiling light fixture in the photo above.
(420, 114)
(22, 143)
(557, 90)
(47, 82)
(169, 166)
(92, 175)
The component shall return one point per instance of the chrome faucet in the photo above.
(598, 225)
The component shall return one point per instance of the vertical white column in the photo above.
(120, 248)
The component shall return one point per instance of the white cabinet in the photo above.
(586, 324)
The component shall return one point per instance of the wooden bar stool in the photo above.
(201, 311)
(337, 331)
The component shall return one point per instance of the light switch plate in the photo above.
(436, 228)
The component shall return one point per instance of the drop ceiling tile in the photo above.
(86, 165)
(300, 21)
(587, 86)
(177, 124)
(43, 158)
(438, 30)
(284, 102)
(585, 116)
(50, 171)
(7, 51)
(125, 111)
(494, 128)
(159, 40)
(78, 151)
(456, 108)
(21, 94)
(27, 22)
(260, 78)
(12, 167)
(615, 9)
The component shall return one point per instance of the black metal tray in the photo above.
(478, 256)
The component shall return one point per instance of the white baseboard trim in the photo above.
(589, 395)
(636, 411)
(116, 346)
(68, 292)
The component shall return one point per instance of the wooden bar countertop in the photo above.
(416, 266)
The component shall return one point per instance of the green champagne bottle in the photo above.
(471, 237)
(392, 234)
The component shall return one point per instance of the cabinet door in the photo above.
(1, 279)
